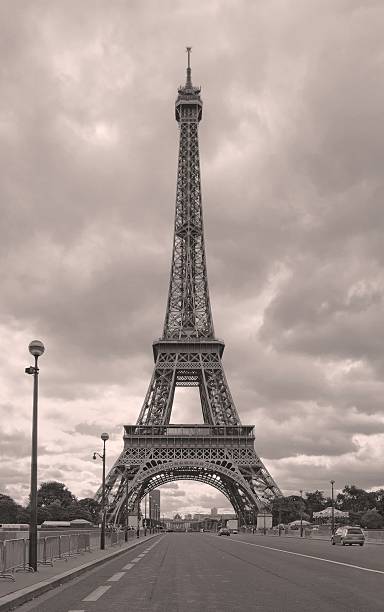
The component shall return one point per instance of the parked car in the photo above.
(234, 531)
(224, 531)
(348, 536)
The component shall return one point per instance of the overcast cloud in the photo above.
(292, 150)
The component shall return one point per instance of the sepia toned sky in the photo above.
(292, 149)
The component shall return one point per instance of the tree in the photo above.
(77, 512)
(52, 491)
(91, 507)
(353, 499)
(23, 515)
(42, 515)
(378, 500)
(315, 501)
(288, 509)
(56, 512)
(372, 520)
(8, 509)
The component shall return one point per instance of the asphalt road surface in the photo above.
(203, 572)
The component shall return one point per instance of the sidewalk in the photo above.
(29, 585)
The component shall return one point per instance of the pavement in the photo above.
(190, 572)
(29, 585)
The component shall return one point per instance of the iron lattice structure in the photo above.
(220, 452)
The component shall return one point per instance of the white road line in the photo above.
(289, 552)
(97, 593)
(128, 566)
(136, 560)
(76, 610)
(116, 577)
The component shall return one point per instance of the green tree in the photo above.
(353, 499)
(23, 515)
(315, 501)
(372, 519)
(379, 501)
(56, 511)
(8, 509)
(42, 515)
(52, 491)
(77, 512)
(91, 507)
(288, 509)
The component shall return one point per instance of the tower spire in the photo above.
(188, 82)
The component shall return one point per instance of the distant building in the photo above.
(188, 517)
(154, 505)
(213, 511)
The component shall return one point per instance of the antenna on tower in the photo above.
(189, 79)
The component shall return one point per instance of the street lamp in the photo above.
(36, 348)
(104, 437)
(145, 515)
(150, 513)
(301, 513)
(333, 510)
(126, 507)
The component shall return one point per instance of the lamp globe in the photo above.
(36, 348)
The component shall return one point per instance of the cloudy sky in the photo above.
(292, 151)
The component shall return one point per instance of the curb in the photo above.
(13, 600)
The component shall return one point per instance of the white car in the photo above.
(347, 536)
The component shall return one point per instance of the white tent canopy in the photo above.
(327, 513)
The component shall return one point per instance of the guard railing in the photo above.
(14, 553)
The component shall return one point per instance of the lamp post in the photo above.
(126, 507)
(150, 514)
(333, 509)
(145, 515)
(36, 348)
(301, 513)
(104, 437)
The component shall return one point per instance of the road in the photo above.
(188, 572)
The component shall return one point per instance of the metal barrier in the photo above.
(14, 553)
(117, 537)
(13, 557)
(374, 535)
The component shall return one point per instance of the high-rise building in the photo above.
(154, 505)
(213, 511)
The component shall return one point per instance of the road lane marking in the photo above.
(290, 552)
(128, 566)
(76, 610)
(135, 560)
(116, 577)
(97, 593)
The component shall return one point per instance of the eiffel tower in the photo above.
(221, 451)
